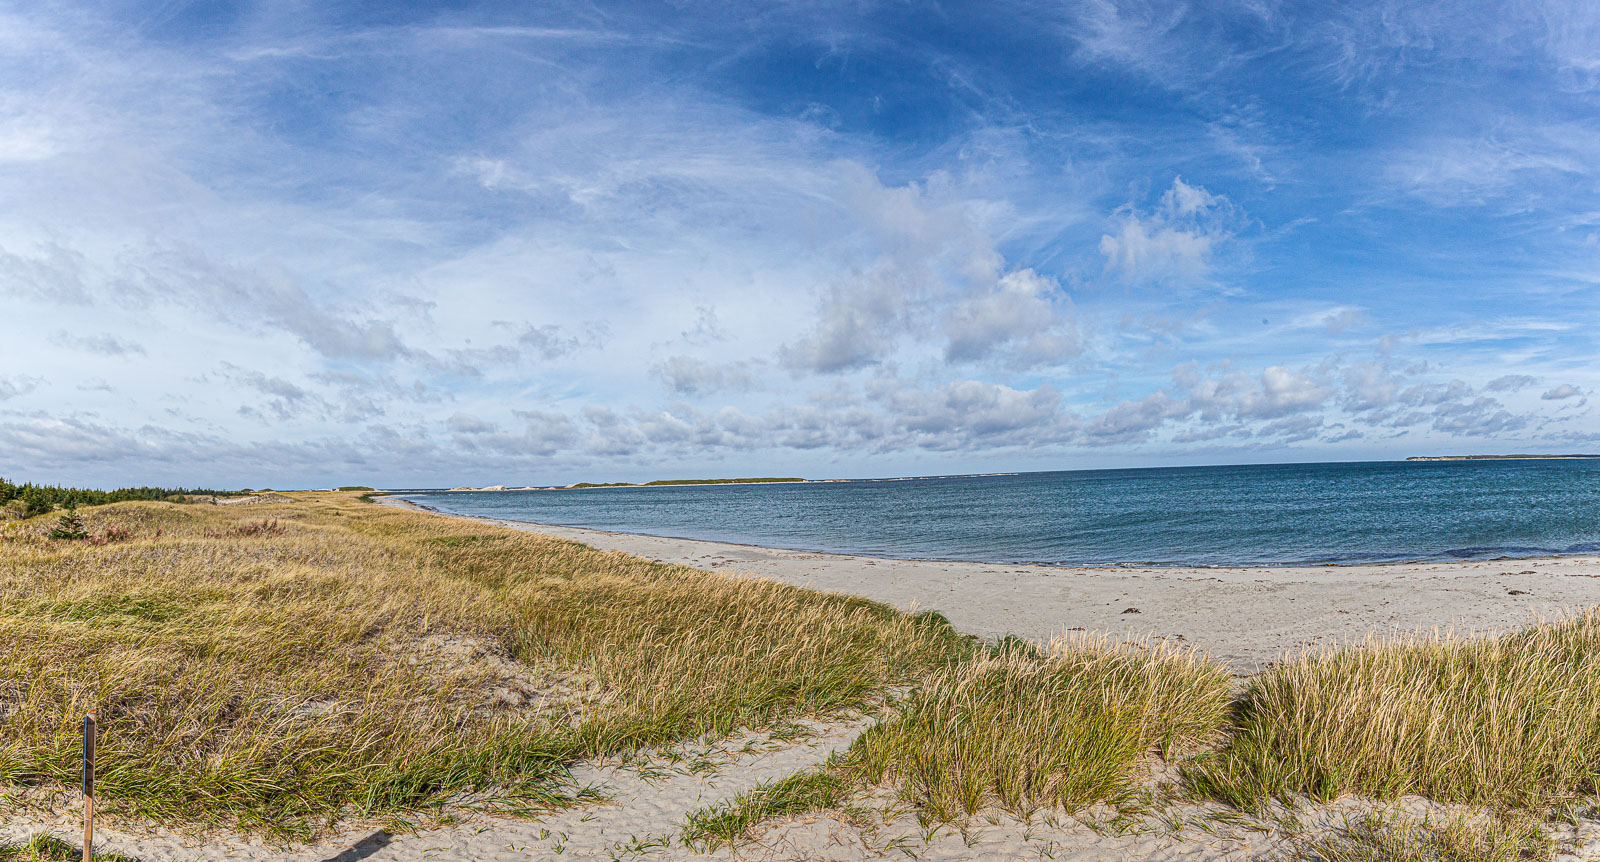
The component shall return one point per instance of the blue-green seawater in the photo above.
(1282, 514)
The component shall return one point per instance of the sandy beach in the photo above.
(1246, 617)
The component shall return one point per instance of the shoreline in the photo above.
(603, 486)
(1247, 617)
(1098, 567)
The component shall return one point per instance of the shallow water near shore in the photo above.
(1278, 514)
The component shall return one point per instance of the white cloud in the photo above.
(686, 375)
(466, 423)
(1511, 383)
(1565, 390)
(104, 344)
(1020, 317)
(1174, 242)
(663, 269)
(12, 386)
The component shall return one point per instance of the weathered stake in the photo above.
(88, 786)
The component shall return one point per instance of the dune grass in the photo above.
(826, 788)
(1510, 722)
(279, 666)
(1024, 729)
(1017, 727)
(1508, 725)
(46, 848)
(1382, 837)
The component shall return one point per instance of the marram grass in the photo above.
(1510, 722)
(1066, 728)
(1381, 837)
(822, 789)
(359, 660)
(47, 848)
(283, 665)
(1016, 727)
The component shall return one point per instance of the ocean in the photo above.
(1278, 514)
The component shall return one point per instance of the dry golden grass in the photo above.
(1025, 729)
(1394, 838)
(1507, 722)
(1015, 727)
(282, 665)
(355, 659)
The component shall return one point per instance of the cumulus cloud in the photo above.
(1134, 421)
(1430, 394)
(1293, 429)
(1175, 241)
(1480, 417)
(1511, 383)
(1370, 386)
(917, 297)
(686, 375)
(466, 423)
(1276, 392)
(551, 341)
(1281, 392)
(1228, 398)
(926, 250)
(1020, 318)
(971, 412)
(543, 433)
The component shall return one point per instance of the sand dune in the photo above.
(1246, 617)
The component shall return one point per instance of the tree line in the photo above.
(34, 499)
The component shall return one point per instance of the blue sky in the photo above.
(438, 244)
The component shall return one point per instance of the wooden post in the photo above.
(88, 786)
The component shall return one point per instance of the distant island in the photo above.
(1496, 457)
(753, 480)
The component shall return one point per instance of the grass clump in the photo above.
(1506, 722)
(328, 658)
(1067, 727)
(47, 848)
(248, 529)
(821, 789)
(1389, 838)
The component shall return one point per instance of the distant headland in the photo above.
(754, 480)
(659, 482)
(1497, 457)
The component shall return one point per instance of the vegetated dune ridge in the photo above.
(1246, 617)
(325, 667)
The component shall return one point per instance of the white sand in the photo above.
(1246, 617)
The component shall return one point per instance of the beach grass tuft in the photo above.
(1507, 722)
(1380, 837)
(47, 848)
(1024, 727)
(288, 663)
(825, 788)
(1019, 726)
